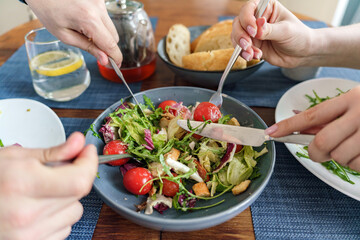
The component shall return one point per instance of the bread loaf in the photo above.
(252, 62)
(178, 43)
(215, 60)
(218, 36)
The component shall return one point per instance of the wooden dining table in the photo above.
(111, 225)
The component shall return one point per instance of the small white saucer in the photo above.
(30, 124)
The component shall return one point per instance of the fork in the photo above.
(217, 98)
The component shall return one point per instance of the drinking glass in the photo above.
(301, 73)
(58, 70)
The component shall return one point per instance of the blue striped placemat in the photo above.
(297, 205)
(15, 82)
(92, 204)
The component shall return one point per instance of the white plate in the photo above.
(30, 124)
(294, 99)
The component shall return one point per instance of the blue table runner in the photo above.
(92, 204)
(16, 82)
(297, 205)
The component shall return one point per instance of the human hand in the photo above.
(82, 23)
(278, 36)
(42, 202)
(339, 136)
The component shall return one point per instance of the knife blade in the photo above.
(240, 135)
(102, 159)
(108, 158)
(118, 72)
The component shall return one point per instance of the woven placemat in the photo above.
(297, 205)
(92, 204)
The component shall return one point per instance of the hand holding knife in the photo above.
(241, 135)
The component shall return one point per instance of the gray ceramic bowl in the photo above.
(209, 79)
(110, 188)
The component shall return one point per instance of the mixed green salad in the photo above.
(340, 171)
(173, 167)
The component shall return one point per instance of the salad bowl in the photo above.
(110, 188)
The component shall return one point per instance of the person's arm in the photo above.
(283, 40)
(336, 47)
(42, 202)
(81, 23)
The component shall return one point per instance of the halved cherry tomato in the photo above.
(169, 103)
(238, 148)
(202, 171)
(208, 111)
(197, 136)
(170, 188)
(134, 181)
(116, 147)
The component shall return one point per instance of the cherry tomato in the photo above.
(169, 103)
(197, 136)
(181, 110)
(134, 181)
(170, 188)
(116, 147)
(238, 148)
(202, 171)
(208, 111)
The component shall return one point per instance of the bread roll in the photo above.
(215, 60)
(252, 62)
(218, 36)
(178, 43)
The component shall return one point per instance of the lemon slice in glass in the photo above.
(56, 63)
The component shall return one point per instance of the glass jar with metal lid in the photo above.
(136, 41)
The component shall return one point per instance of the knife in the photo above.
(108, 158)
(118, 72)
(102, 159)
(240, 135)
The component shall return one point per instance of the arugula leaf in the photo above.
(334, 167)
(338, 170)
(148, 102)
(255, 174)
(224, 119)
(1, 143)
(94, 133)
